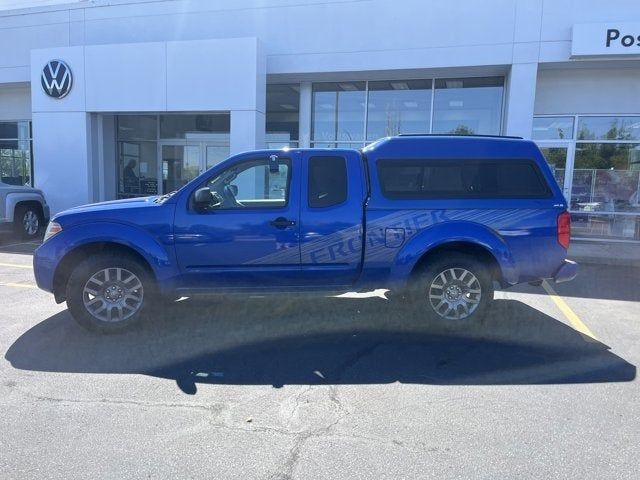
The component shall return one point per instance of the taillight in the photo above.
(564, 229)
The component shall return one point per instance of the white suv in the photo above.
(23, 210)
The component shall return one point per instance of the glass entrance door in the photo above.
(181, 163)
(559, 156)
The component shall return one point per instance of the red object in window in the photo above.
(564, 229)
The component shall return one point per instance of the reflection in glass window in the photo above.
(552, 128)
(609, 128)
(180, 126)
(557, 160)
(15, 153)
(338, 111)
(283, 115)
(137, 127)
(606, 177)
(467, 106)
(398, 107)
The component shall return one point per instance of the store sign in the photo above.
(594, 39)
(56, 79)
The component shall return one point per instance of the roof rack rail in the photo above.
(455, 135)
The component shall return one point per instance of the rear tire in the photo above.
(110, 293)
(453, 291)
(27, 222)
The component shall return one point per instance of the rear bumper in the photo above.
(566, 272)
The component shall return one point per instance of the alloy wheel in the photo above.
(113, 294)
(30, 222)
(455, 293)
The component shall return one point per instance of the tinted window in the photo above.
(327, 181)
(461, 179)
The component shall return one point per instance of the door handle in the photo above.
(282, 223)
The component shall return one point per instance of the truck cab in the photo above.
(438, 218)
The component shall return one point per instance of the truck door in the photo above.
(331, 217)
(251, 238)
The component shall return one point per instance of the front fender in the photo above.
(429, 238)
(156, 250)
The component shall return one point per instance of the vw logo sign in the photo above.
(56, 79)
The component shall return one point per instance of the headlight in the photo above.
(52, 229)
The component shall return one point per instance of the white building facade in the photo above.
(111, 99)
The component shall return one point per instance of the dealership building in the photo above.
(111, 99)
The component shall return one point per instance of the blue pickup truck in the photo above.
(439, 218)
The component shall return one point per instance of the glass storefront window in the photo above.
(606, 190)
(173, 126)
(137, 127)
(556, 157)
(552, 128)
(15, 153)
(362, 112)
(606, 177)
(283, 115)
(398, 107)
(161, 153)
(137, 169)
(468, 106)
(338, 111)
(609, 128)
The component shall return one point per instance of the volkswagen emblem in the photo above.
(56, 79)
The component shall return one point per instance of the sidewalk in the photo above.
(627, 254)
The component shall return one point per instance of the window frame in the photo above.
(444, 161)
(281, 160)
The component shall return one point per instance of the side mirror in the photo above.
(204, 198)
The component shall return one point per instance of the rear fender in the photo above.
(441, 234)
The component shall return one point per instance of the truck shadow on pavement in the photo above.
(271, 341)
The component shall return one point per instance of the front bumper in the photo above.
(566, 272)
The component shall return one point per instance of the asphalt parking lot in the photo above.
(324, 387)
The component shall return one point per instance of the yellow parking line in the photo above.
(29, 267)
(568, 313)
(17, 285)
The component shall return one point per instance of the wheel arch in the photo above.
(475, 250)
(464, 237)
(74, 257)
(26, 204)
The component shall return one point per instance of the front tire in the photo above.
(454, 291)
(109, 293)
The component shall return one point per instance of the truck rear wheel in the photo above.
(454, 290)
(109, 292)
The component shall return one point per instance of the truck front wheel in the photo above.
(109, 292)
(27, 222)
(454, 290)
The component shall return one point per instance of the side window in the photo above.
(430, 179)
(327, 182)
(252, 184)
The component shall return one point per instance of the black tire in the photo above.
(424, 291)
(27, 222)
(124, 302)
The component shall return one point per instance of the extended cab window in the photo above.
(327, 181)
(429, 179)
(257, 183)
